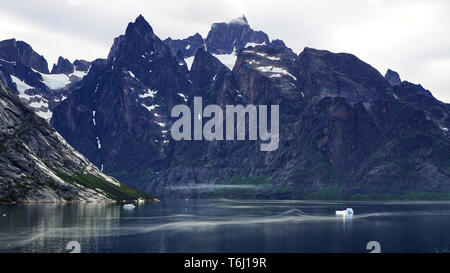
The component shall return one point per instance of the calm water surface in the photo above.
(226, 226)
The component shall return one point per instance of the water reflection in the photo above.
(225, 226)
(49, 227)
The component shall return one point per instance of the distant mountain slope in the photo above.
(37, 164)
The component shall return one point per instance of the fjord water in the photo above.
(226, 226)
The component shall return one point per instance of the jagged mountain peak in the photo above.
(138, 40)
(393, 77)
(63, 66)
(239, 21)
(139, 26)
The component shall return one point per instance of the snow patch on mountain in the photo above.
(227, 59)
(21, 85)
(55, 81)
(150, 93)
(189, 61)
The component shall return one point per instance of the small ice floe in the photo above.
(129, 206)
(4, 214)
(187, 199)
(347, 212)
(140, 200)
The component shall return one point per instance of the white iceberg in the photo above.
(129, 206)
(348, 211)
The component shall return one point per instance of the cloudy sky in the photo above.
(408, 36)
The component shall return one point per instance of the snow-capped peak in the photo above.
(239, 21)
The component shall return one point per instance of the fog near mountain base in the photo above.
(407, 36)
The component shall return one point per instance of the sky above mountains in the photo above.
(408, 36)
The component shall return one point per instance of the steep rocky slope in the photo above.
(37, 164)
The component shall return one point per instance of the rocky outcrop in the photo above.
(21, 52)
(38, 165)
(81, 65)
(393, 78)
(63, 66)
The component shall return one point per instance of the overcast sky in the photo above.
(409, 36)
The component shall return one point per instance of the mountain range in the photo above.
(346, 131)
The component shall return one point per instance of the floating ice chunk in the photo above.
(348, 211)
(129, 206)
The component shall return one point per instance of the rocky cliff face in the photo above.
(37, 164)
(345, 130)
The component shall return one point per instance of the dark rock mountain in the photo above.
(345, 130)
(26, 72)
(223, 38)
(326, 74)
(63, 66)
(82, 65)
(187, 46)
(37, 164)
(118, 115)
(20, 52)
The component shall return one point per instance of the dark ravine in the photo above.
(38, 165)
(345, 130)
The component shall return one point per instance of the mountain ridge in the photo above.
(346, 130)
